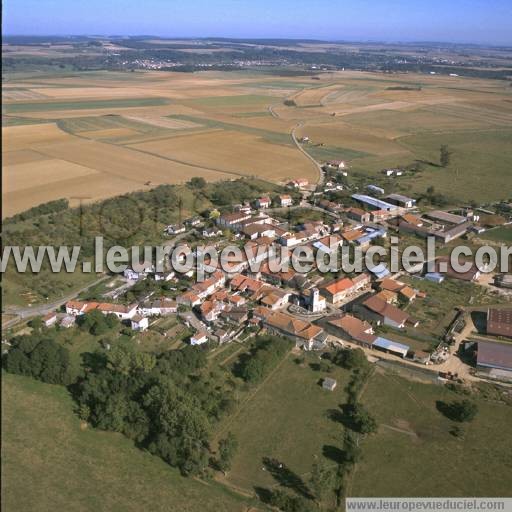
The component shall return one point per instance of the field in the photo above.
(51, 462)
(290, 410)
(69, 132)
(420, 456)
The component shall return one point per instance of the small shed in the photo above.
(329, 383)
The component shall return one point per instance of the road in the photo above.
(41, 309)
(321, 175)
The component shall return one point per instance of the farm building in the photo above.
(329, 384)
(400, 200)
(495, 359)
(499, 322)
(375, 189)
(358, 214)
(375, 203)
(391, 347)
(356, 330)
(445, 217)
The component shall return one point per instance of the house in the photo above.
(358, 215)
(76, 308)
(381, 215)
(235, 315)
(285, 200)
(50, 319)
(164, 276)
(161, 306)
(211, 310)
(273, 298)
(194, 221)
(340, 289)
(328, 244)
(68, 321)
(132, 275)
(329, 383)
(244, 284)
(335, 164)
(355, 330)
(212, 232)
(499, 322)
(263, 202)
(254, 231)
(375, 309)
(400, 200)
(139, 323)
(199, 338)
(188, 299)
(221, 335)
(175, 229)
(304, 333)
(298, 183)
(444, 266)
(232, 220)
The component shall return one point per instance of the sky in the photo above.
(467, 21)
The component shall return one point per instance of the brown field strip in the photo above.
(235, 152)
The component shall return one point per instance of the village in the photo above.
(375, 310)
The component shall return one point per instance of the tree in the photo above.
(351, 359)
(322, 480)
(227, 450)
(36, 323)
(197, 182)
(444, 155)
(463, 410)
(363, 421)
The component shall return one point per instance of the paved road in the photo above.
(41, 309)
(321, 175)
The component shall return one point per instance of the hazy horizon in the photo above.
(392, 21)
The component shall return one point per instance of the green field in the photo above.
(323, 153)
(50, 463)
(44, 106)
(501, 234)
(286, 418)
(268, 135)
(234, 101)
(423, 458)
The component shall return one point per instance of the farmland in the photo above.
(442, 464)
(67, 132)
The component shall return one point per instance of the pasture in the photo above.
(121, 132)
(292, 414)
(55, 462)
(414, 454)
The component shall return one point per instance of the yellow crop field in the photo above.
(236, 152)
(118, 131)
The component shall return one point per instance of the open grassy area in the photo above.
(50, 462)
(501, 234)
(422, 458)
(286, 418)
